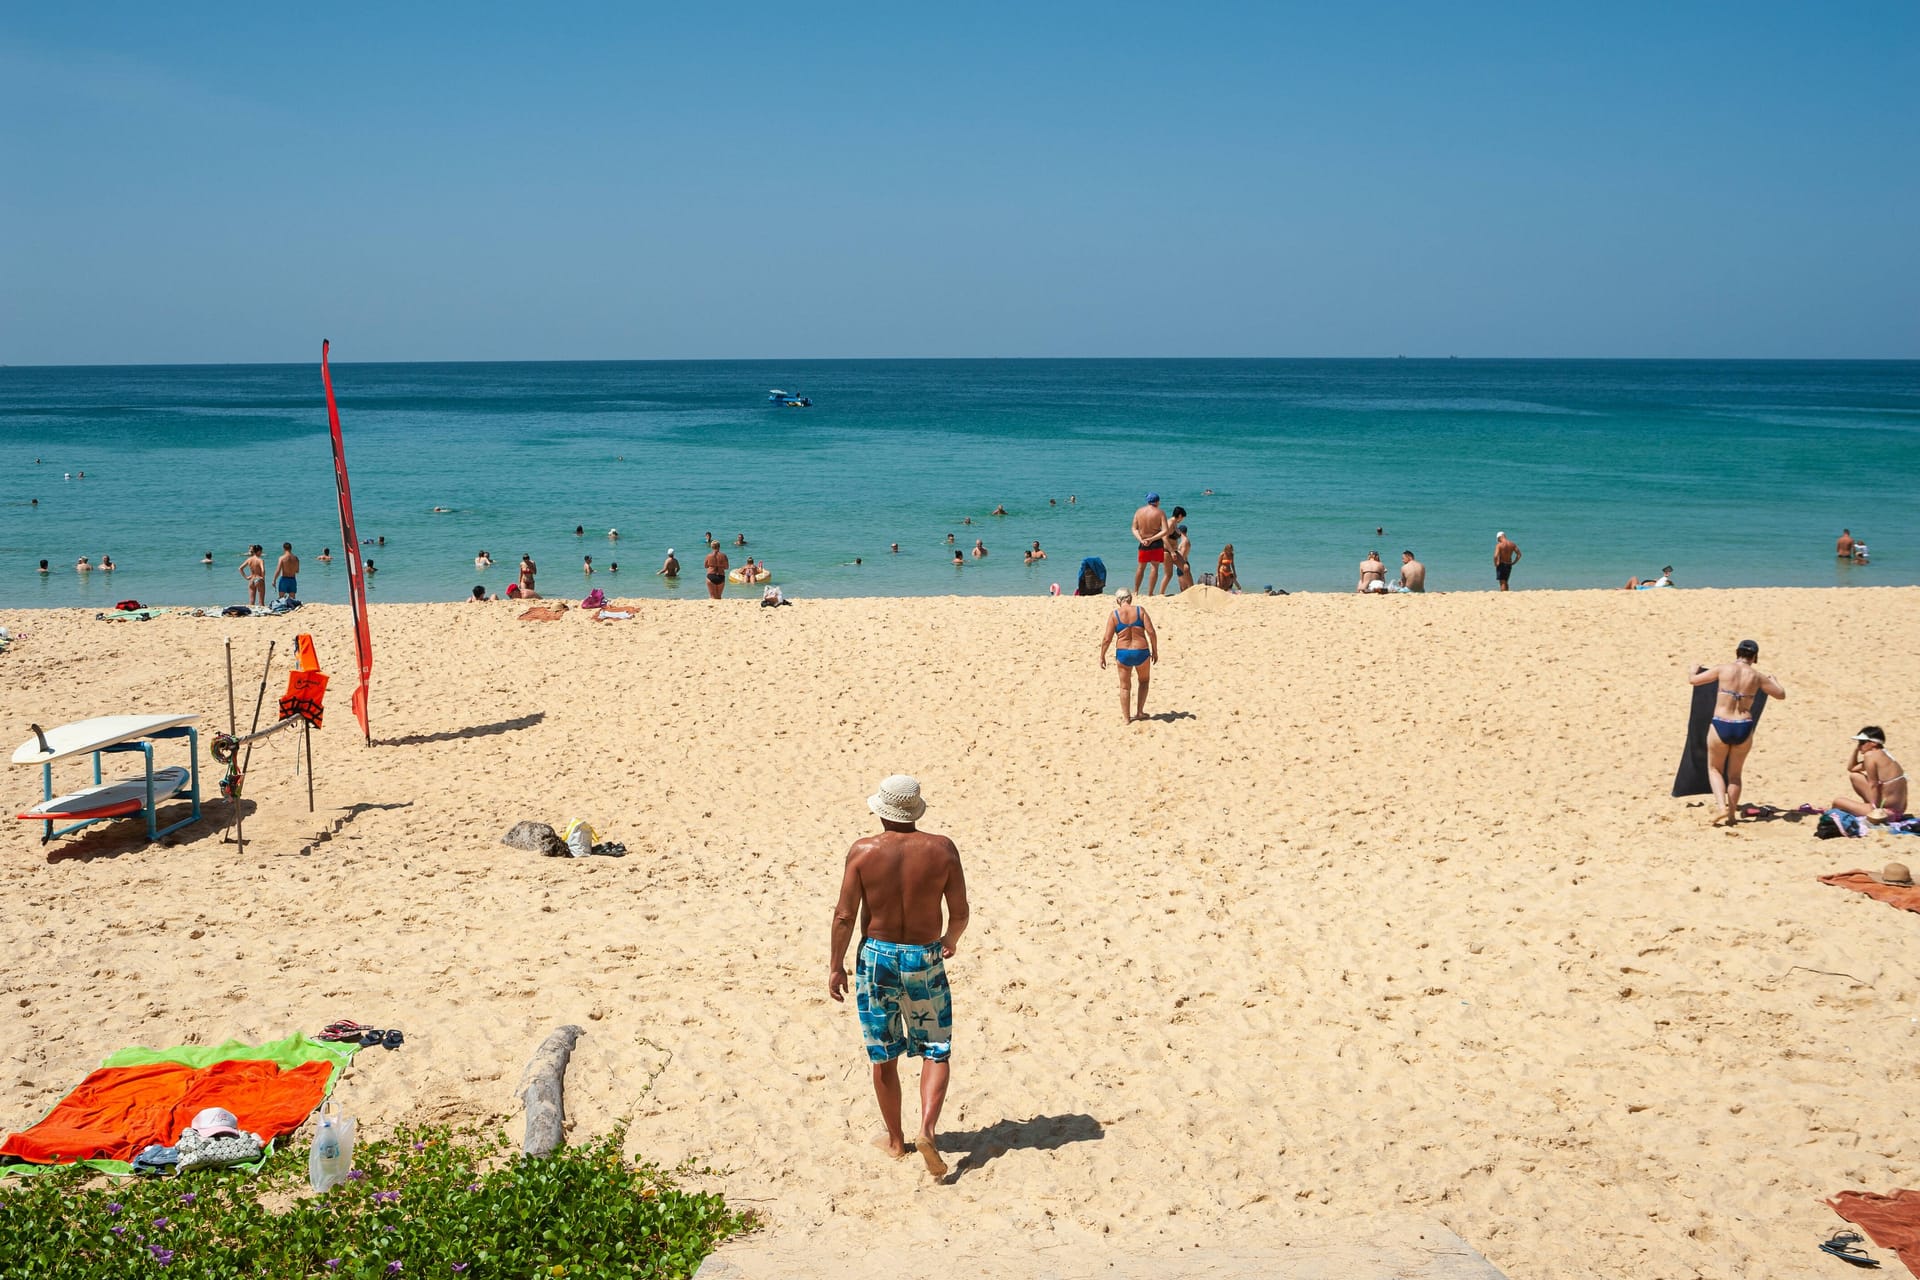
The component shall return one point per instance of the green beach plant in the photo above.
(429, 1202)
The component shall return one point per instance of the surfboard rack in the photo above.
(140, 795)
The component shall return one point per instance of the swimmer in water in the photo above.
(207, 558)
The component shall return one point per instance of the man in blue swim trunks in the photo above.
(894, 887)
(286, 573)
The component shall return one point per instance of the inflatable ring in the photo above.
(739, 576)
(225, 747)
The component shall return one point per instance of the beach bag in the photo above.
(596, 599)
(1838, 822)
(128, 605)
(1093, 577)
(581, 837)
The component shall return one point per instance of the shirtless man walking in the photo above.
(1506, 553)
(254, 570)
(893, 888)
(716, 563)
(286, 573)
(1150, 531)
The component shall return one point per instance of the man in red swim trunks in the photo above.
(1150, 531)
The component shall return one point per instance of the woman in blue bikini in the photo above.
(1137, 649)
(1730, 737)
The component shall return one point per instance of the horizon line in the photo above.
(1374, 359)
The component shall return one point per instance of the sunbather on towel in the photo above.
(1879, 781)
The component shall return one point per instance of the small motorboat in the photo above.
(788, 399)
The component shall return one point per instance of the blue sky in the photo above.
(225, 183)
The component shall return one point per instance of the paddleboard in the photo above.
(83, 736)
(111, 799)
(1691, 778)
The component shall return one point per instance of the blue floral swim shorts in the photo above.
(901, 991)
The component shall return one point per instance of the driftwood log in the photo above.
(543, 1091)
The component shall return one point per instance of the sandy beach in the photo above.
(1387, 911)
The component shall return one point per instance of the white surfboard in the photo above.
(111, 799)
(83, 736)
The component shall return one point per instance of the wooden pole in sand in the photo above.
(240, 775)
(543, 1090)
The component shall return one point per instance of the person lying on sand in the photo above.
(894, 887)
(1879, 781)
(1649, 584)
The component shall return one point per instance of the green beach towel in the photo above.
(293, 1052)
(130, 615)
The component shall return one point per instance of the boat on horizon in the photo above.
(789, 399)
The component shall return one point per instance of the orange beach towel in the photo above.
(1906, 897)
(1892, 1222)
(117, 1111)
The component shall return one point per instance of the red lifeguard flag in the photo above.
(356, 573)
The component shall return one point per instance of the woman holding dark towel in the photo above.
(1730, 736)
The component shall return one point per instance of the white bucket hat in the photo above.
(898, 800)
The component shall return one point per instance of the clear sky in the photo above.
(190, 182)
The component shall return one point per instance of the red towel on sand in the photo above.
(1892, 1222)
(1906, 897)
(117, 1111)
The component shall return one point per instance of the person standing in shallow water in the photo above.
(1730, 736)
(716, 567)
(894, 888)
(1506, 554)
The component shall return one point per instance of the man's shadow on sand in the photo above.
(1042, 1133)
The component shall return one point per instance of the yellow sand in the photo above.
(1389, 912)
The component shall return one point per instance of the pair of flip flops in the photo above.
(1845, 1245)
(346, 1032)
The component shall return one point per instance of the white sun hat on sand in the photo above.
(898, 800)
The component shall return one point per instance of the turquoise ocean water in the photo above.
(1736, 473)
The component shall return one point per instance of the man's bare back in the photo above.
(903, 879)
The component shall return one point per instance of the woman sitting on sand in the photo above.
(1137, 649)
(1730, 736)
(1224, 576)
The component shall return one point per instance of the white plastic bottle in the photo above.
(332, 1153)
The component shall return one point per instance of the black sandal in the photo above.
(1845, 1245)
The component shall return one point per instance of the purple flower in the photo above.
(458, 1267)
(188, 1198)
(161, 1256)
(393, 1268)
(356, 1175)
(473, 1186)
(159, 1224)
(119, 1231)
(115, 1207)
(419, 1146)
(385, 1197)
(332, 1264)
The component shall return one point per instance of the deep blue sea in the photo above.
(1736, 473)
